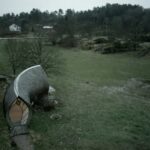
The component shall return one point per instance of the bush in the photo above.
(144, 38)
(68, 41)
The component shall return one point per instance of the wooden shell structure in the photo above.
(31, 85)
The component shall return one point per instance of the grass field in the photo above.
(104, 105)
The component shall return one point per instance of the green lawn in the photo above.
(102, 105)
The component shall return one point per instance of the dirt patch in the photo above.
(136, 87)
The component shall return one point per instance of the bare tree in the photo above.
(23, 54)
(48, 57)
(12, 49)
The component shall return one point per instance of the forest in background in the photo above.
(111, 20)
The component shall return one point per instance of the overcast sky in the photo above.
(17, 6)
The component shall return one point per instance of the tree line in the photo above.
(111, 19)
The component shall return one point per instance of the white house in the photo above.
(47, 27)
(14, 28)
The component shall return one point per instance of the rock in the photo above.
(35, 136)
(51, 90)
(55, 116)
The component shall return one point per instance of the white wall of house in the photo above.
(47, 27)
(14, 28)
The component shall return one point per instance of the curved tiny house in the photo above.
(30, 86)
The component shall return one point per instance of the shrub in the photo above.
(68, 41)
